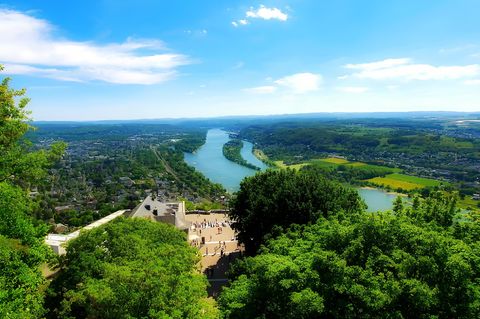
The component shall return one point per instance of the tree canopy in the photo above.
(284, 197)
(21, 237)
(372, 265)
(131, 268)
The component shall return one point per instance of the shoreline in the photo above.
(382, 190)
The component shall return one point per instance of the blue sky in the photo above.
(90, 60)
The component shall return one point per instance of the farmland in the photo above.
(405, 182)
(359, 172)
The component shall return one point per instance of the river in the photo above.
(209, 160)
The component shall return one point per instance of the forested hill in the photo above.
(444, 145)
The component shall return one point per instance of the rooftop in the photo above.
(172, 213)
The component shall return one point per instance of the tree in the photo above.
(376, 265)
(398, 205)
(284, 197)
(131, 268)
(19, 165)
(438, 208)
(21, 237)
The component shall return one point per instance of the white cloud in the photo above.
(240, 22)
(29, 46)
(404, 69)
(268, 89)
(267, 13)
(261, 12)
(387, 63)
(353, 89)
(301, 83)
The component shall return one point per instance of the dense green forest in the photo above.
(231, 151)
(419, 261)
(148, 272)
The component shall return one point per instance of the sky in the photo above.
(145, 59)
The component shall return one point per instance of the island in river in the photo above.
(210, 161)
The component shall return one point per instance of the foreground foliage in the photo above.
(131, 268)
(412, 263)
(21, 238)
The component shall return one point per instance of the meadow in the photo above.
(406, 182)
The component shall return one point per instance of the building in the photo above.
(58, 242)
(151, 208)
(171, 213)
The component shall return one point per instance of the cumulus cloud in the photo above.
(301, 83)
(261, 12)
(29, 46)
(266, 13)
(353, 89)
(405, 69)
(267, 89)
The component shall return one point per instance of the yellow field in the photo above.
(335, 160)
(394, 184)
(281, 164)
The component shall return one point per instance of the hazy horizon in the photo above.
(317, 115)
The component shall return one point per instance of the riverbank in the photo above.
(261, 156)
(382, 190)
(232, 151)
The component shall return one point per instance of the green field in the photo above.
(403, 181)
(469, 203)
(334, 162)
